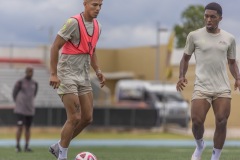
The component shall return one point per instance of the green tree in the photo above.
(192, 19)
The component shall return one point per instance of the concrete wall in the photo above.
(140, 60)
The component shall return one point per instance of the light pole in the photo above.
(50, 40)
(157, 74)
(157, 62)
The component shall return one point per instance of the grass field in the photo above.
(112, 152)
(121, 153)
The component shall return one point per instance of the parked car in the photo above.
(172, 107)
(130, 93)
(171, 104)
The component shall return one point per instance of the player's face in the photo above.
(212, 19)
(92, 8)
(29, 73)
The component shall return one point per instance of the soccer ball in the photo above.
(85, 156)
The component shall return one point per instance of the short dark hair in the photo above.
(214, 6)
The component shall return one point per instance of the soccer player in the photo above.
(213, 49)
(70, 74)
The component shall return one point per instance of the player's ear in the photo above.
(220, 18)
(84, 3)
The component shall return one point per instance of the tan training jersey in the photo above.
(70, 30)
(211, 53)
(73, 69)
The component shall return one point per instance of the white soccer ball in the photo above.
(85, 156)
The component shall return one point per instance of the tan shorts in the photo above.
(73, 72)
(73, 88)
(210, 96)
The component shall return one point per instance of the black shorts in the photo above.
(24, 120)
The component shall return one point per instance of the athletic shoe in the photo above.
(195, 158)
(18, 149)
(54, 149)
(62, 159)
(28, 150)
(198, 158)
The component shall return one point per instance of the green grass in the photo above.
(121, 153)
(112, 153)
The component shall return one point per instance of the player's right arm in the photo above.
(182, 72)
(57, 45)
(16, 89)
(65, 34)
(188, 50)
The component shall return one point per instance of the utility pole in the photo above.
(157, 74)
(157, 62)
(157, 54)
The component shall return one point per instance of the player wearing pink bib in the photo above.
(70, 72)
(87, 43)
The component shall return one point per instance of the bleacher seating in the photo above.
(47, 96)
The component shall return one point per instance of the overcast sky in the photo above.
(126, 23)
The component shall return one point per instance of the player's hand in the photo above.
(101, 78)
(237, 84)
(54, 81)
(181, 84)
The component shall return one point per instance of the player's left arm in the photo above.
(232, 63)
(233, 67)
(96, 68)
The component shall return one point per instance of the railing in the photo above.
(102, 117)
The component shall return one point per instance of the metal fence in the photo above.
(102, 117)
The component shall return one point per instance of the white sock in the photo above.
(216, 154)
(199, 148)
(62, 152)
